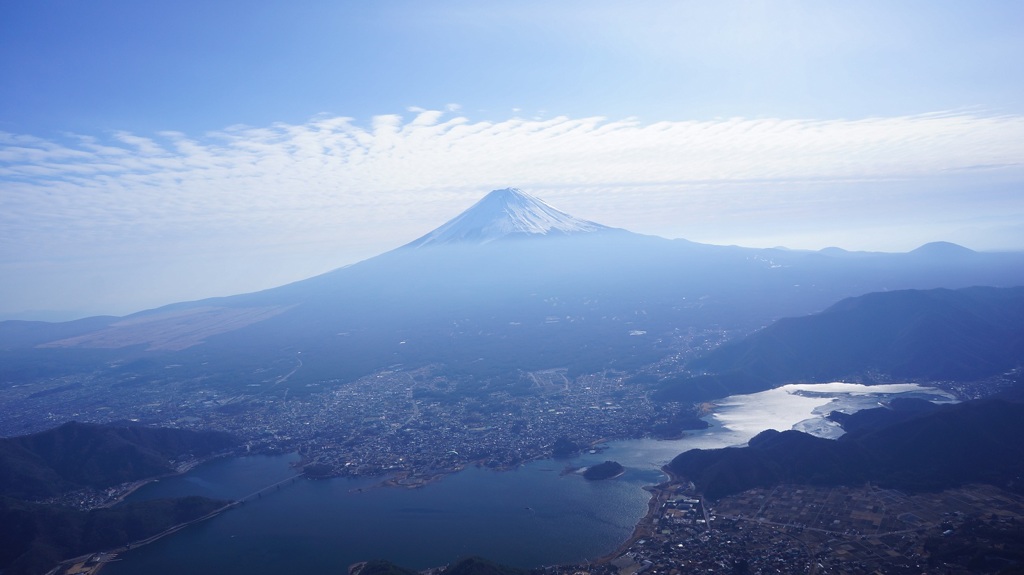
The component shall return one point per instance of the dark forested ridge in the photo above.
(36, 536)
(976, 441)
(77, 455)
(940, 334)
(934, 334)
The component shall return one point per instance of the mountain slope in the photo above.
(35, 537)
(773, 457)
(966, 334)
(974, 441)
(571, 294)
(77, 455)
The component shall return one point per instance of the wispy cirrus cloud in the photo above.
(546, 152)
(332, 164)
(361, 188)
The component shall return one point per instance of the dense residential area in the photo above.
(819, 530)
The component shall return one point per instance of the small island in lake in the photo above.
(606, 470)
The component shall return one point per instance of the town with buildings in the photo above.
(413, 426)
(410, 425)
(818, 530)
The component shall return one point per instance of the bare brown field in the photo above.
(172, 330)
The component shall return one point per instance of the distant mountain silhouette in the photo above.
(77, 455)
(943, 250)
(940, 334)
(565, 293)
(21, 333)
(974, 441)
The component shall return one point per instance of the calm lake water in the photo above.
(528, 517)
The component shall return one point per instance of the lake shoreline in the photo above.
(471, 494)
(645, 525)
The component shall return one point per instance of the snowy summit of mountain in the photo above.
(503, 214)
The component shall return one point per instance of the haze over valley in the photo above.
(512, 333)
(453, 288)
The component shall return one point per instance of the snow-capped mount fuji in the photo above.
(505, 214)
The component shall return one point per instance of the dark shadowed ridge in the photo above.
(35, 536)
(939, 334)
(77, 455)
(976, 441)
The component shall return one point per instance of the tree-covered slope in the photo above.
(35, 537)
(940, 334)
(975, 441)
(77, 455)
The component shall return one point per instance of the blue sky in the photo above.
(157, 152)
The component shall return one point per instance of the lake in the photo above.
(532, 516)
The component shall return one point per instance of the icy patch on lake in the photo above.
(737, 418)
(803, 406)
